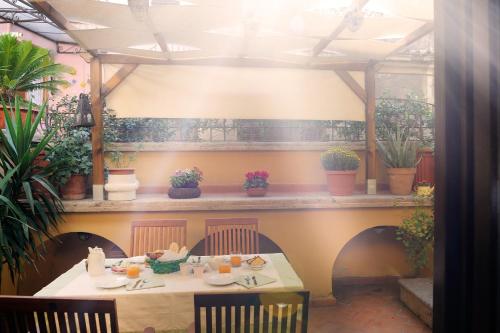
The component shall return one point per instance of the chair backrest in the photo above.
(54, 315)
(226, 235)
(151, 235)
(285, 312)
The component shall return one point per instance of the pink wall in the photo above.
(79, 81)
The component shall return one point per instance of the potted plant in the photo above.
(28, 213)
(256, 183)
(417, 235)
(73, 153)
(184, 184)
(424, 189)
(341, 166)
(25, 68)
(122, 183)
(70, 149)
(400, 157)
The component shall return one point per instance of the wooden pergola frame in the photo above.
(99, 91)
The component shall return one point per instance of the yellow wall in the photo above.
(153, 169)
(312, 239)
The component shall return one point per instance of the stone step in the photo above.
(416, 294)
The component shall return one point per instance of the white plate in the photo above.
(217, 279)
(111, 282)
(257, 268)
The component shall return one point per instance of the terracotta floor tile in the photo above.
(366, 309)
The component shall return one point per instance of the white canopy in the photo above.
(274, 34)
(298, 31)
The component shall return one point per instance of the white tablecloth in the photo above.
(169, 307)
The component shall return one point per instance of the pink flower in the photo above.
(264, 174)
(249, 175)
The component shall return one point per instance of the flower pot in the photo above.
(401, 180)
(341, 182)
(24, 113)
(122, 184)
(256, 191)
(75, 188)
(184, 192)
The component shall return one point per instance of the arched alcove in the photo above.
(266, 245)
(60, 255)
(372, 256)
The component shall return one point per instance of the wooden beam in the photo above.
(55, 16)
(118, 78)
(97, 130)
(352, 84)
(371, 137)
(230, 62)
(413, 37)
(324, 42)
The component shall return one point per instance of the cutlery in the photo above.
(247, 279)
(136, 283)
(254, 280)
(142, 284)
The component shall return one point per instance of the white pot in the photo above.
(122, 185)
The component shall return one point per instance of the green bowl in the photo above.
(166, 267)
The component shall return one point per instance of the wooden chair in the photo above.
(284, 312)
(226, 235)
(21, 314)
(151, 235)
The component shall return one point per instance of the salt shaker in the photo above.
(95, 261)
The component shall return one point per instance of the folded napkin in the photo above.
(254, 280)
(144, 284)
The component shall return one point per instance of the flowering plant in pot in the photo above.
(256, 183)
(122, 183)
(400, 157)
(341, 165)
(424, 189)
(184, 184)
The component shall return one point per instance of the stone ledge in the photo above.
(235, 202)
(416, 294)
(232, 146)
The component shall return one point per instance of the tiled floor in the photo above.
(368, 309)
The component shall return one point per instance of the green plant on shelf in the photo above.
(398, 150)
(340, 159)
(187, 178)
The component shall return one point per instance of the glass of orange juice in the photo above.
(236, 260)
(133, 271)
(224, 268)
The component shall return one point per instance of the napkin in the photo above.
(254, 280)
(144, 284)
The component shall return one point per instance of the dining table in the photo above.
(169, 308)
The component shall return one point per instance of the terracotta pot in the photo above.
(256, 191)
(401, 180)
(184, 192)
(75, 188)
(341, 182)
(24, 113)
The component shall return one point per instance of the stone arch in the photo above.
(60, 254)
(266, 244)
(373, 255)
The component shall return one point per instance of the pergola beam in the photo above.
(371, 137)
(324, 42)
(230, 62)
(413, 37)
(352, 84)
(98, 130)
(117, 78)
(57, 18)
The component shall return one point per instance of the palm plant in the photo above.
(29, 205)
(398, 151)
(25, 67)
